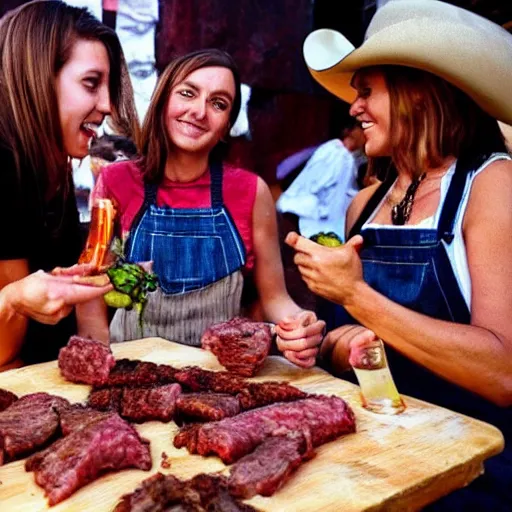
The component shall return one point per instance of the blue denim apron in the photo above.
(198, 255)
(411, 267)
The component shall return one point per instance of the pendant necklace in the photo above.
(401, 212)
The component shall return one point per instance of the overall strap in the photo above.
(454, 195)
(216, 183)
(372, 204)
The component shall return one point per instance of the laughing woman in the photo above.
(61, 73)
(202, 223)
(427, 264)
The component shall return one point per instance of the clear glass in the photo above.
(378, 390)
(100, 235)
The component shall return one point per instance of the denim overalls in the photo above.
(411, 267)
(198, 255)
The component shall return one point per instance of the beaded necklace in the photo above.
(401, 212)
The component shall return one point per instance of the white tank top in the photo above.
(457, 249)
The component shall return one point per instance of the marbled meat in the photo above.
(241, 345)
(267, 468)
(77, 416)
(70, 463)
(85, 361)
(29, 424)
(137, 404)
(258, 394)
(6, 399)
(128, 372)
(153, 403)
(321, 418)
(166, 493)
(207, 406)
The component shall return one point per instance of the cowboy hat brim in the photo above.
(461, 47)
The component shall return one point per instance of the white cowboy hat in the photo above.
(465, 49)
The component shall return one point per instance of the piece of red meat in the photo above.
(267, 468)
(146, 404)
(85, 361)
(6, 399)
(105, 399)
(240, 344)
(132, 372)
(322, 418)
(197, 379)
(258, 394)
(207, 406)
(78, 416)
(29, 424)
(80, 457)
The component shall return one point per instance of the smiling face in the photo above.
(82, 88)
(198, 110)
(372, 110)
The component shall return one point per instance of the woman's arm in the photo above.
(13, 326)
(476, 356)
(299, 332)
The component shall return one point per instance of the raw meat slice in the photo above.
(197, 379)
(78, 416)
(128, 372)
(258, 394)
(145, 404)
(28, 424)
(85, 361)
(105, 399)
(6, 399)
(266, 469)
(110, 444)
(207, 406)
(241, 345)
(323, 418)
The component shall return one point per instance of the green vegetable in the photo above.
(329, 239)
(131, 284)
(116, 299)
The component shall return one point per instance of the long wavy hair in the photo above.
(430, 119)
(155, 143)
(36, 41)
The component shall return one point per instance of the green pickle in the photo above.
(329, 239)
(116, 299)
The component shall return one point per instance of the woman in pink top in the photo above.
(201, 223)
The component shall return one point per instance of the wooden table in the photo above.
(391, 463)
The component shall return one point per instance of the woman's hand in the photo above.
(331, 272)
(337, 345)
(299, 336)
(47, 298)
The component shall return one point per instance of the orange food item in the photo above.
(100, 234)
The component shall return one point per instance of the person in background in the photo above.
(426, 267)
(202, 224)
(108, 149)
(319, 196)
(62, 72)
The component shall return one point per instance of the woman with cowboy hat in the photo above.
(427, 266)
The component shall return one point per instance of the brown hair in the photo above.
(36, 41)
(431, 119)
(155, 144)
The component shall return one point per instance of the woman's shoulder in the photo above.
(126, 169)
(234, 173)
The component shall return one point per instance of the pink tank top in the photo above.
(122, 182)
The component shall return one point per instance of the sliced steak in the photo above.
(241, 345)
(197, 379)
(187, 436)
(85, 361)
(207, 406)
(166, 493)
(80, 457)
(6, 399)
(77, 416)
(145, 404)
(28, 424)
(258, 394)
(128, 372)
(322, 418)
(106, 399)
(267, 468)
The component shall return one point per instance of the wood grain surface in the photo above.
(391, 463)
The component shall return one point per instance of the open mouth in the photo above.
(90, 129)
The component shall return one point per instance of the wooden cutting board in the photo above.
(391, 463)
